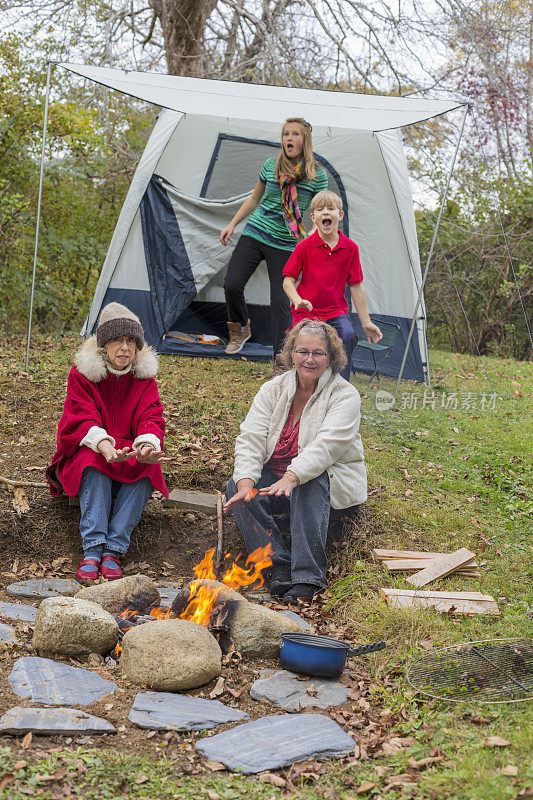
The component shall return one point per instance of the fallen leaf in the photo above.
(399, 780)
(20, 764)
(141, 778)
(5, 780)
(213, 795)
(25, 743)
(509, 769)
(54, 776)
(478, 719)
(495, 741)
(366, 786)
(527, 792)
(426, 644)
(424, 762)
(409, 492)
(214, 766)
(274, 780)
(218, 689)
(20, 501)
(312, 690)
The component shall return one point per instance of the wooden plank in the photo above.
(438, 594)
(410, 565)
(413, 554)
(441, 567)
(192, 501)
(460, 603)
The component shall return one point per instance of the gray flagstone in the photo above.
(7, 633)
(288, 692)
(18, 611)
(42, 680)
(39, 588)
(66, 721)
(167, 711)
(276, 741)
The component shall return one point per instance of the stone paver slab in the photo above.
(276, 741)
(7, 633)
(66, 721)
(41, 680)
(18, 611)
(168, 594)
(287, 692)
(39, 588)
(304, 625)
(161, 711)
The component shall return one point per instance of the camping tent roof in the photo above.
(251, 101)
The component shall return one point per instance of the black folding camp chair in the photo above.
(384, 347)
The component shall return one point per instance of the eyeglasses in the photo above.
(316, 354)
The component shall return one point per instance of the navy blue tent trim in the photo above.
(169, 269)
(413, 369)
(321, 160)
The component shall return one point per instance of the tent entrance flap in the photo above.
(169, 270)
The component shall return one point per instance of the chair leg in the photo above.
(375, 368)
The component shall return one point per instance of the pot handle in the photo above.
(366, 648)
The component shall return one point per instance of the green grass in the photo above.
(440, 479)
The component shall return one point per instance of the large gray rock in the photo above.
(286, 691)
(73, 627)
(163, 711)
(136, 592)
(7, 634)
(39, 588)
(276, 741)
(41, 680)
(304, 625)
(18, 611)
(170, 655)
(254, 630)
(50, 721)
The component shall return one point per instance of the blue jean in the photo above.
(309, 509)
(96, 493)
(344, 328)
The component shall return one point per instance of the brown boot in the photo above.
(238, 335)
(279, 366)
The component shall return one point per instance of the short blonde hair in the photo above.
(326, 198)
(332, 340)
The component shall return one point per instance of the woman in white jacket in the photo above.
(300, 447)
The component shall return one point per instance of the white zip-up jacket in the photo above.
(328, 439)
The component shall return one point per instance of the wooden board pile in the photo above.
(427, 568)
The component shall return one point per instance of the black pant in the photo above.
(244, 261)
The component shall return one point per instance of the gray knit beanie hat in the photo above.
(117, 320)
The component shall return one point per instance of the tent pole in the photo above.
(430, 254)
(45, 121)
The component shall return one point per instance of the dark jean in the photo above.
(344, 328)
(245, 259)
(96, 493)
(309, 509)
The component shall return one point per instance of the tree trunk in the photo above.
(183, 25)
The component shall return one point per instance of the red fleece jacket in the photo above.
(125, 407)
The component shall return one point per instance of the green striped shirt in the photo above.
(267, 223)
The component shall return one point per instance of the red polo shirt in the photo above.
(324, 275)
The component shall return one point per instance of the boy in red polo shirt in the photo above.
(326, 261)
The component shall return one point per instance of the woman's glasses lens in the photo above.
(315, 353)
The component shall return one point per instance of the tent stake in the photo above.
(45, 121)
(430, 254)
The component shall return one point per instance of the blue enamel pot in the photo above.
(319, 656)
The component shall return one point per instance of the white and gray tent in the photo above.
(165, 260)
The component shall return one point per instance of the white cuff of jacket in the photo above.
(148, 438)
(94, 436)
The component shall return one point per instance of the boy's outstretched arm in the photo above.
(373, 333)
(289, 287)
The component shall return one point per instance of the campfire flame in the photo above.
(202, 599)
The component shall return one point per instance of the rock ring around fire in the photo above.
(170, 655)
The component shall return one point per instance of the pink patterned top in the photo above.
(286, 448)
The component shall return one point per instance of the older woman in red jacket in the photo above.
(110, 439)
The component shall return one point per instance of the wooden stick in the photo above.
(34, 484)
(441, 567)
(220, 528)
